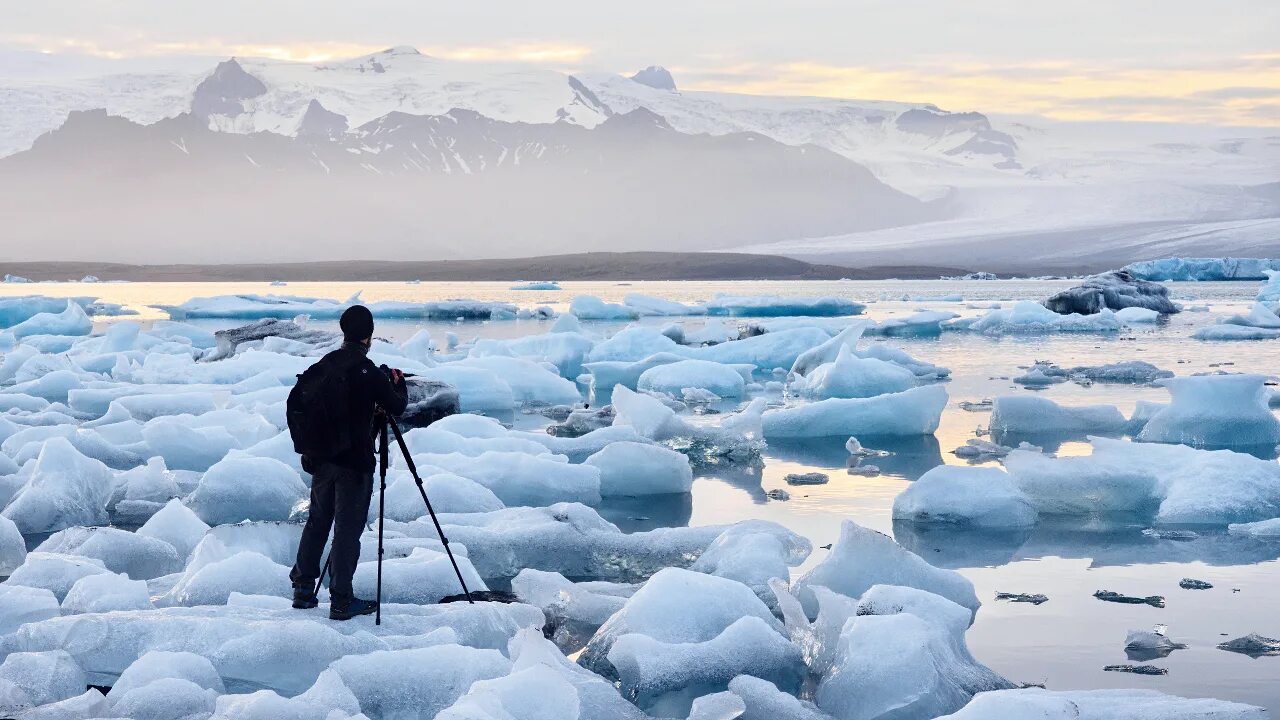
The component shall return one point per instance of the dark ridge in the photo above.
(580, 266)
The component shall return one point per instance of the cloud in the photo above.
(1211, 93)
(321, 51)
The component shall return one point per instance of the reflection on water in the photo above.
(910, 457)
(1102, 543)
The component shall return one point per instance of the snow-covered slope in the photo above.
(1021, 192)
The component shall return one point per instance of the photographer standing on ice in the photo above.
(331, 420)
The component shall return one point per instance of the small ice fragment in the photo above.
(1034, 599)
(1115, 597)
(813, 478)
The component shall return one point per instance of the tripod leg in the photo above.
(323, 571)
(382, 497)
(413, 470)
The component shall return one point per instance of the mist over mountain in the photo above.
(401, 155)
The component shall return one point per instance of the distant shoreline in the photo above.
(575, 267)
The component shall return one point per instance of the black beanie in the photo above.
(356, 323)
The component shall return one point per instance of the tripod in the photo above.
(383, 462)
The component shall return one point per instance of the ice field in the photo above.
(713, 545)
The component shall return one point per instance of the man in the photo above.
(342, 485)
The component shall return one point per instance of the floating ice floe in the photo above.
(925, 323)
(863, 558)
(1270, 291)
(976, 497)
(912, 412)
(72, 320)
(285, 307)
(901, 653)
(726, 381)
(1168, 483)
(776, 305)
(1215, 411)
(1235, 332)
(683, 634)
(631, 468)
(1115, 291)
(1100, 705)
(848, 376)
(1030, 317)
(63, 489)
(1262, 528)
(536, 285)
(590, 307)
(1027, 415)
(649, 306)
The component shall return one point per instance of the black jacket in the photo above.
(368, 386)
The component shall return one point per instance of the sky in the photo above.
(1149, 60)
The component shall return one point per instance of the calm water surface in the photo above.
(1063, 643)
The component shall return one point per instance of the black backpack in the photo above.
(318, 410)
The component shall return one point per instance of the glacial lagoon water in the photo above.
(1063, 643)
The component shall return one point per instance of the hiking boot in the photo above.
(304, 597)
(354, 608)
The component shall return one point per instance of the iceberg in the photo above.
(772, 350)
(71, 321)
(1225, 331)
(64, 489)
(1260, 316)
(567, 538)
(1168, 483)
(246, 488)
(848, 376)
(648, 305)
(1026, 415)
(13, 549)
(287, 307)
(1115, 291)
(428, 679)
(779, 306)
(665, 677)
(1203, 269)
(1215, 411)
(1270, 291)
(1261, 529)
(677, 606)
(1030, 317)
(20, 605)
(911, 412)
(863, 558)
(536, 285)
(902, 655)
(1100, 705)
(138, 556)
(1136, 315)
(590, 307)
(632, 468)
(925, 323)
(42, 677)
(725, 381)
(977, 497)
(633, 344)
(55, 573)
(574, 611)
(424, 577)
(106, 592)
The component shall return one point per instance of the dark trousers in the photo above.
(339, 497)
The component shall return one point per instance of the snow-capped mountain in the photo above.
(999, 193)
(457, 185)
